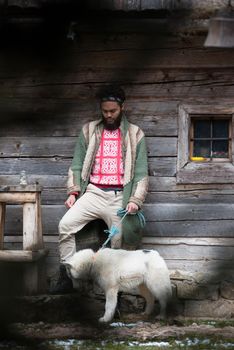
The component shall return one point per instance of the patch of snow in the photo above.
(121, 324)
(227, 345)
(151, 343)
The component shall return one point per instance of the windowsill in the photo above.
(211, 160)
(208, 172)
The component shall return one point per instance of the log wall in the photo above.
(48, 92)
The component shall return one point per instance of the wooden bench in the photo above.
(29, 196)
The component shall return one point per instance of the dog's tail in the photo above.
(158, 278)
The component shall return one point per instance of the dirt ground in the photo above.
(65, 317)
(132, 329)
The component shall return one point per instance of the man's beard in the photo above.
(112, 126)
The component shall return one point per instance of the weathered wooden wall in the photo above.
(48, 91)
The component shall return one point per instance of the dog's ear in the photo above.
(67, 264)
(68, 267)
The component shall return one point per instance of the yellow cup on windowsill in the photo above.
(198, 159)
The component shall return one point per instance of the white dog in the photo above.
(117, 270)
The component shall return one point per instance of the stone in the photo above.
(186, 290)
(227, 290)
(221, 308)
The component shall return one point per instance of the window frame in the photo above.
(189, 171)
(228, 139)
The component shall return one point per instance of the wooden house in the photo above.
(56, 54)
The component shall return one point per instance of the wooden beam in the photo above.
(16, 188)
(22, 255)
(39, 221)
(224, 242)
(2, 223)
(31, 239)
(17, 197)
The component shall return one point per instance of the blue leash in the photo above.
(115, 229)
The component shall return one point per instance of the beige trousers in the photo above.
(94, 204)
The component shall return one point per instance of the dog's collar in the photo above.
(94, 256)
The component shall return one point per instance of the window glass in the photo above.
(202, 148)
(202, 128)
(220, 149)
(220, 128)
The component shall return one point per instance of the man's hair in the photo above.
(111, 93)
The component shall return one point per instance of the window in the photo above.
(210, 138)
(205, 144)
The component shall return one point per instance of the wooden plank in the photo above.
(206, 241)
(183, 211)
(36, 118)
(208, 172)
(147, 25)
(183, 251)
(162, 219)
(179, 251)
(41, 166)
(156, 4)
(21, 4)
(39, 239)
(161, 146)
(194, 262)
(183, 139)
(210, 268)
(17, 197)
(191, 196)
(133, 5)
(142, 5)
(2, 224)
(58, 108)
(51, 181)
(196, 228)
(21, 255)
(201, 228)
(169, 184)
(20, 188)
(58, 195)
(161, 89)
(163, 75)
(64, 146)
(161, 166)
(106, 41)
(190, 58)
(198, 241)
(31, 235)
(157, 184)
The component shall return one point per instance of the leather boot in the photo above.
(64, 284)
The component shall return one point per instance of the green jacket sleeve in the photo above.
(74, 173)
(140, 178)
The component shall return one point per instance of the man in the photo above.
(109, 171)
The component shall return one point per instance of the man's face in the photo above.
(112, 114)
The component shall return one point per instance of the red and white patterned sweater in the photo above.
(108, 166)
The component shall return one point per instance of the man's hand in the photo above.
(132, 207)
(70, 201)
